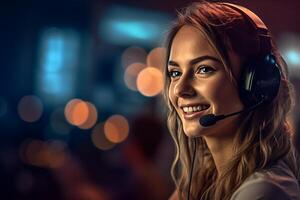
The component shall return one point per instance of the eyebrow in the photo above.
(196, 60)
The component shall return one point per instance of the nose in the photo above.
(184, 88)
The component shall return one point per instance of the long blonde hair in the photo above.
(264, 135)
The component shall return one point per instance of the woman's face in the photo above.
(200, 85)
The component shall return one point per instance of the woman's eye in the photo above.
(205, 70)
(174, 74)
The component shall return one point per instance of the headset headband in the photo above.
(249, 14)
(263, 35)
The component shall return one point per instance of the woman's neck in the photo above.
(221, 150)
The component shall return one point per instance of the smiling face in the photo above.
(200, 84)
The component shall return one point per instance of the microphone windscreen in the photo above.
(208, 120)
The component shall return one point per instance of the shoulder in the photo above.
(268, 186)
(260, 189)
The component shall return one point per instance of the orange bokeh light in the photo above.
(131, 73)
(30, 108)
(77, 112)
(157, 58)
(69, 109)
(150, 81)
(116, 128)
(80, 113)
(133, 55)
(99, 139)
(29, 151)
(56, 154)
(92, 117)
(43, 154)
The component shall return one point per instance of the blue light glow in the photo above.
(293, 57)
(53, 59)
(128, 26)
(58, 64)
(134, 29)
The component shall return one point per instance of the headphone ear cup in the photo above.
(260, 80)
(247, 85)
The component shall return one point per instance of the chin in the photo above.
(193, 131)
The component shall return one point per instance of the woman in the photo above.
(246, 156)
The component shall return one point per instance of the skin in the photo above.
(204, 81)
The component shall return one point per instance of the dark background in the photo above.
(138, 167)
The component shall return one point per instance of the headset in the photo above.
(260, 77)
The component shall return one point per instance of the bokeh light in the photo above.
(293, 57)
(133, 55)
(56, 153)
(289, 45)
(150, 81)
(92, 117)
(30, 108)
(131, 73)
(116, 128)
(99, 139)
(69, 109)
(157, 58)
(80, 113)
(51, 154)
(76, 112)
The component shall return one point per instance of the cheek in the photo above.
(221, 93)
(212, 89)
(172, 96)
(221, 90)
(227, 98)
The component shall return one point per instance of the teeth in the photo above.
(190, 109)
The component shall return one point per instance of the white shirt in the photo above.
(276, 183)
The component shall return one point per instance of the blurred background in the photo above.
(81, 115)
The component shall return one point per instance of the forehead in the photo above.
(190, 42)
